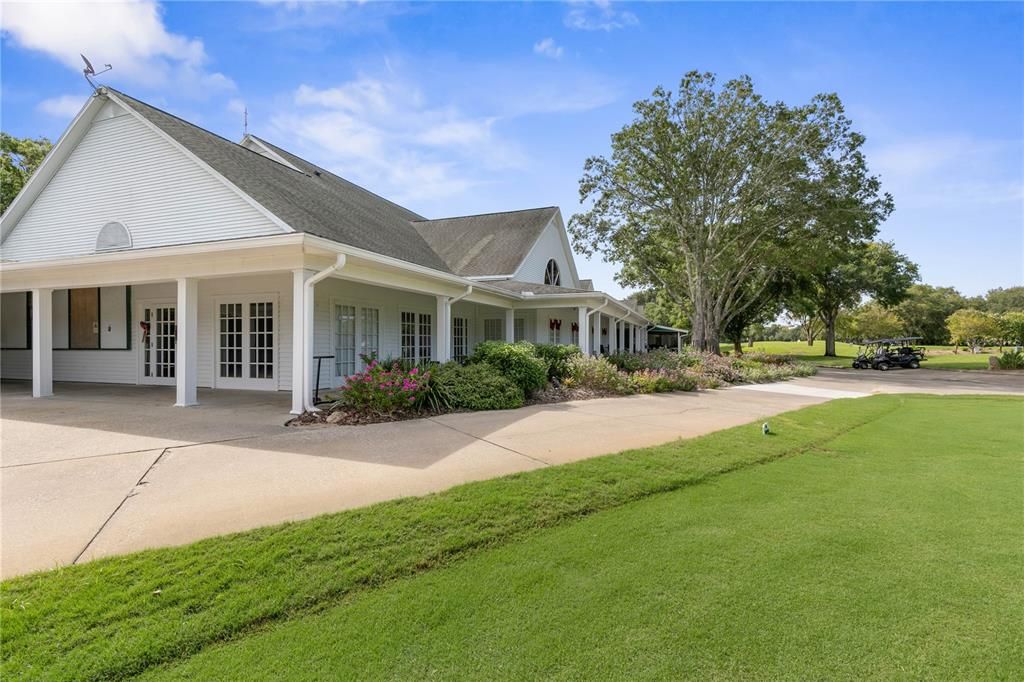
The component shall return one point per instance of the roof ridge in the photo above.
(480, 215)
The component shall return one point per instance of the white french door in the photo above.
(158, 338)
(246, 342)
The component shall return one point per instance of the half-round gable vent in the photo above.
(551, 274)
(113, 236)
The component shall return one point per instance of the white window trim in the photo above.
(358, 304)
(245, 382)
(139, 305)
(417, 357)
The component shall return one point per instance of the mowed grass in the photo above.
(937, 357)
(892, 550)
(881, 537)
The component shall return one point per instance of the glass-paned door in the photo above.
(370, 338)
(345, 340)
(246, 353)
(159, 337)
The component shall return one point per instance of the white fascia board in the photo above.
(272, 217)
(69, 139)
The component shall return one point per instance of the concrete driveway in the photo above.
(100, 470)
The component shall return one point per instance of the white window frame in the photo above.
(519, 329)
(360, 306)
(460, 338)
(497, 322)
(553, 333)
(552, 273)
(139, 306)
(336, 338)
(245, 382)
(421, 352)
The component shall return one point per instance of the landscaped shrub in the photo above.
(517, 361)
(385, 388)
(477, 387)
(662, 380)
(1012, 359)
(557, 357)
(597, 374)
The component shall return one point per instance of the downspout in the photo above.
(461, 296)
(307, 327)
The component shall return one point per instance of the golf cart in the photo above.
(884, 354)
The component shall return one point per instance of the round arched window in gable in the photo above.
(113, 236)
(551, 275)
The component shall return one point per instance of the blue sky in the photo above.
(455, 108)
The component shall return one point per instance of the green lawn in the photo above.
(937, 357)
(878, 537)
(890, 550)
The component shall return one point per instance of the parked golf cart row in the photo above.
(884, 354)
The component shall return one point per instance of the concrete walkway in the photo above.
(101, 470)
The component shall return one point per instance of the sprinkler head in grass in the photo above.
(764, 429)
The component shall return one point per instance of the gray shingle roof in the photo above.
(518, 287)
(487, 244)
(314, 201)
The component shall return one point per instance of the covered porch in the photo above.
(257, 314)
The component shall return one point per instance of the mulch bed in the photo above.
(348, 417)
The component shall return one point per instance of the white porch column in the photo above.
(186, 350)
(302, 348)
(583, 323)
(42, 342)
(442, 330)
(510, 326)
(613, 336)
(595, 334)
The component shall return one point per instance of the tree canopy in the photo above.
(925, 309)
(973, 327)
(711, 190)
(19, 158)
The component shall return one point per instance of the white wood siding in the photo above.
(549, 245)
(123, 171)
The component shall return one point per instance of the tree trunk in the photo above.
(830, 335)
(750, 342)
(737, 346)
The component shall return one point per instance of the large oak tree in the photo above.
(712, 190)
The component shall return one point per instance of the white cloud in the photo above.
(949, 170)
(548, 48)
(129, 35)
(598, 15)
(65, 106)
(386, 134)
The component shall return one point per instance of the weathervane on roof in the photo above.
(245, 121)
(89, 71)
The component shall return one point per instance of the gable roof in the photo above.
(486, 244)
(313, 200)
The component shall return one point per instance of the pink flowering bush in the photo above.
(385, 388)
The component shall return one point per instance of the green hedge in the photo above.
(477, 387)
(558, 358)
(517, 361)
